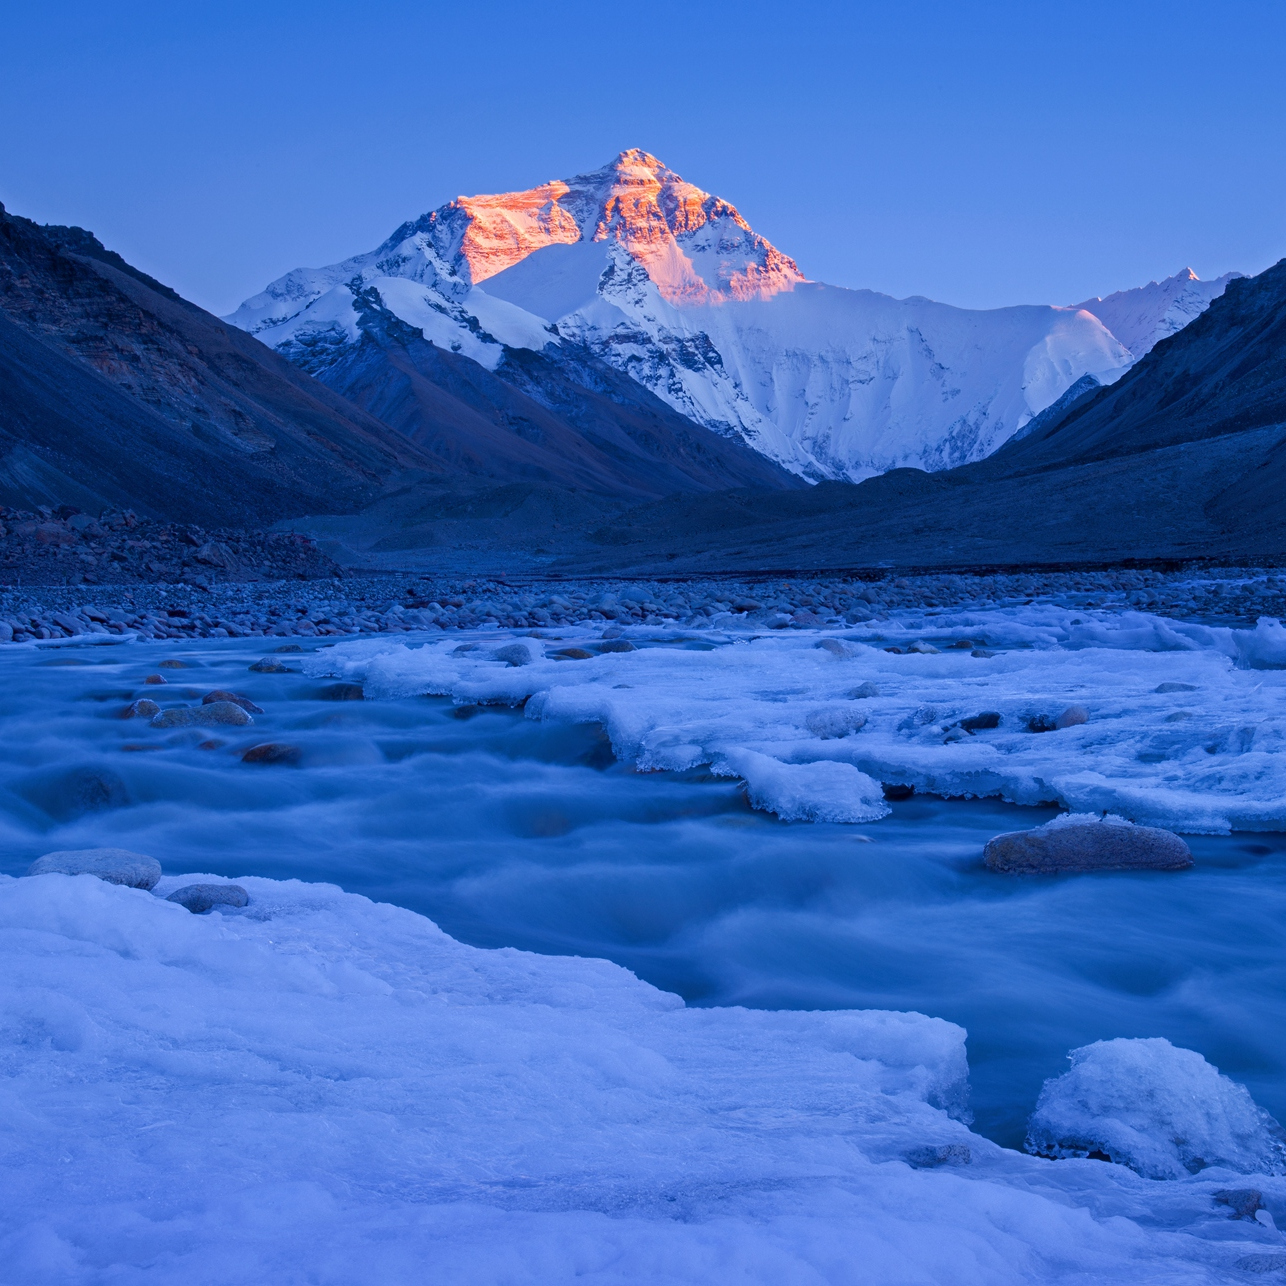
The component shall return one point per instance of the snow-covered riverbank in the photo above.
(322, 1089)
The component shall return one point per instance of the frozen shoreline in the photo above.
(324, 1089)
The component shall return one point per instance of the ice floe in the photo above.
(1186, 725)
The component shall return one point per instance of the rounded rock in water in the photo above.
(115, 865)
(835, 721)
(1086, 842)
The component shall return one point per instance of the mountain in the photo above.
(670, 285)
(1142, 317)
(115, 391)
(1184, 457)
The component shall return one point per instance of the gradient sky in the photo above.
(982, 154)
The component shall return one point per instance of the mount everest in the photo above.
(671, 286)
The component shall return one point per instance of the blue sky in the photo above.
(983, 154)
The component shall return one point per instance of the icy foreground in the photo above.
(328, 1090)
(1184, 723)
(672, 286)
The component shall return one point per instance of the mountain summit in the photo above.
(672, 287)
(696, 247)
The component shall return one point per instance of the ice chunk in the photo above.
(823, 791)
(1160, 1110)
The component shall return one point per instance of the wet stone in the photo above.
(221, 694)
(617, 645)
(1092, 844)
(271, 752)
(516, 654)
(143, 708)
(216, 712)
(342, 692)
(269, 665)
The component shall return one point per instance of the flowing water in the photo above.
(507, 832)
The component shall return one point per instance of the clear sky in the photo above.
(981, 154)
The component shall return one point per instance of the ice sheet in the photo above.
(327, 1090)
(1204, 756)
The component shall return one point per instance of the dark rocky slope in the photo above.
(115, 391)
(560, 418)
(1185, 457)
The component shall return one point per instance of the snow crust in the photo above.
(1162, 1111)
(323, 1089)
(672, 286)
(1210, 759)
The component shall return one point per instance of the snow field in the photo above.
(323, 1089)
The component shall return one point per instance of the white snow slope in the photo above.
(324, 1091)
(671, 285)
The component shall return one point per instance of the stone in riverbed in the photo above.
(572, 654)
(1071, 717)
(154, 678)
(1085, 842)
(203, 716)
(271, 666)
(172, 665)
(220, 694)
(200, 898)
(115, 865)
(342, 692)
(271, 752)
(863, 692)
(616, 645)
(143, 708)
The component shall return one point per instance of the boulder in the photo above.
(571, 654)
(1175, 687)
(1086, 842)
(219, 694)
(143, 708)
(514, 654)
(200, 898)
(154, 679)
(863, 691)
(616, 645)
(833, 646)
(980, 722)
(1071, 717)
(269, 665)
(115, 865)
(926, 648)
(203, 716)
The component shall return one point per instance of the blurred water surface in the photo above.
(510, 833)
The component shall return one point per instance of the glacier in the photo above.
(672, 286)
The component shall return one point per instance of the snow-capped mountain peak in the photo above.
(696, 247)
(671, 285)
(1142, 317)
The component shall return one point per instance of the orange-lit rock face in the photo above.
(694, 246)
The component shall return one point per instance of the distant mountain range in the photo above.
(653, 277)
